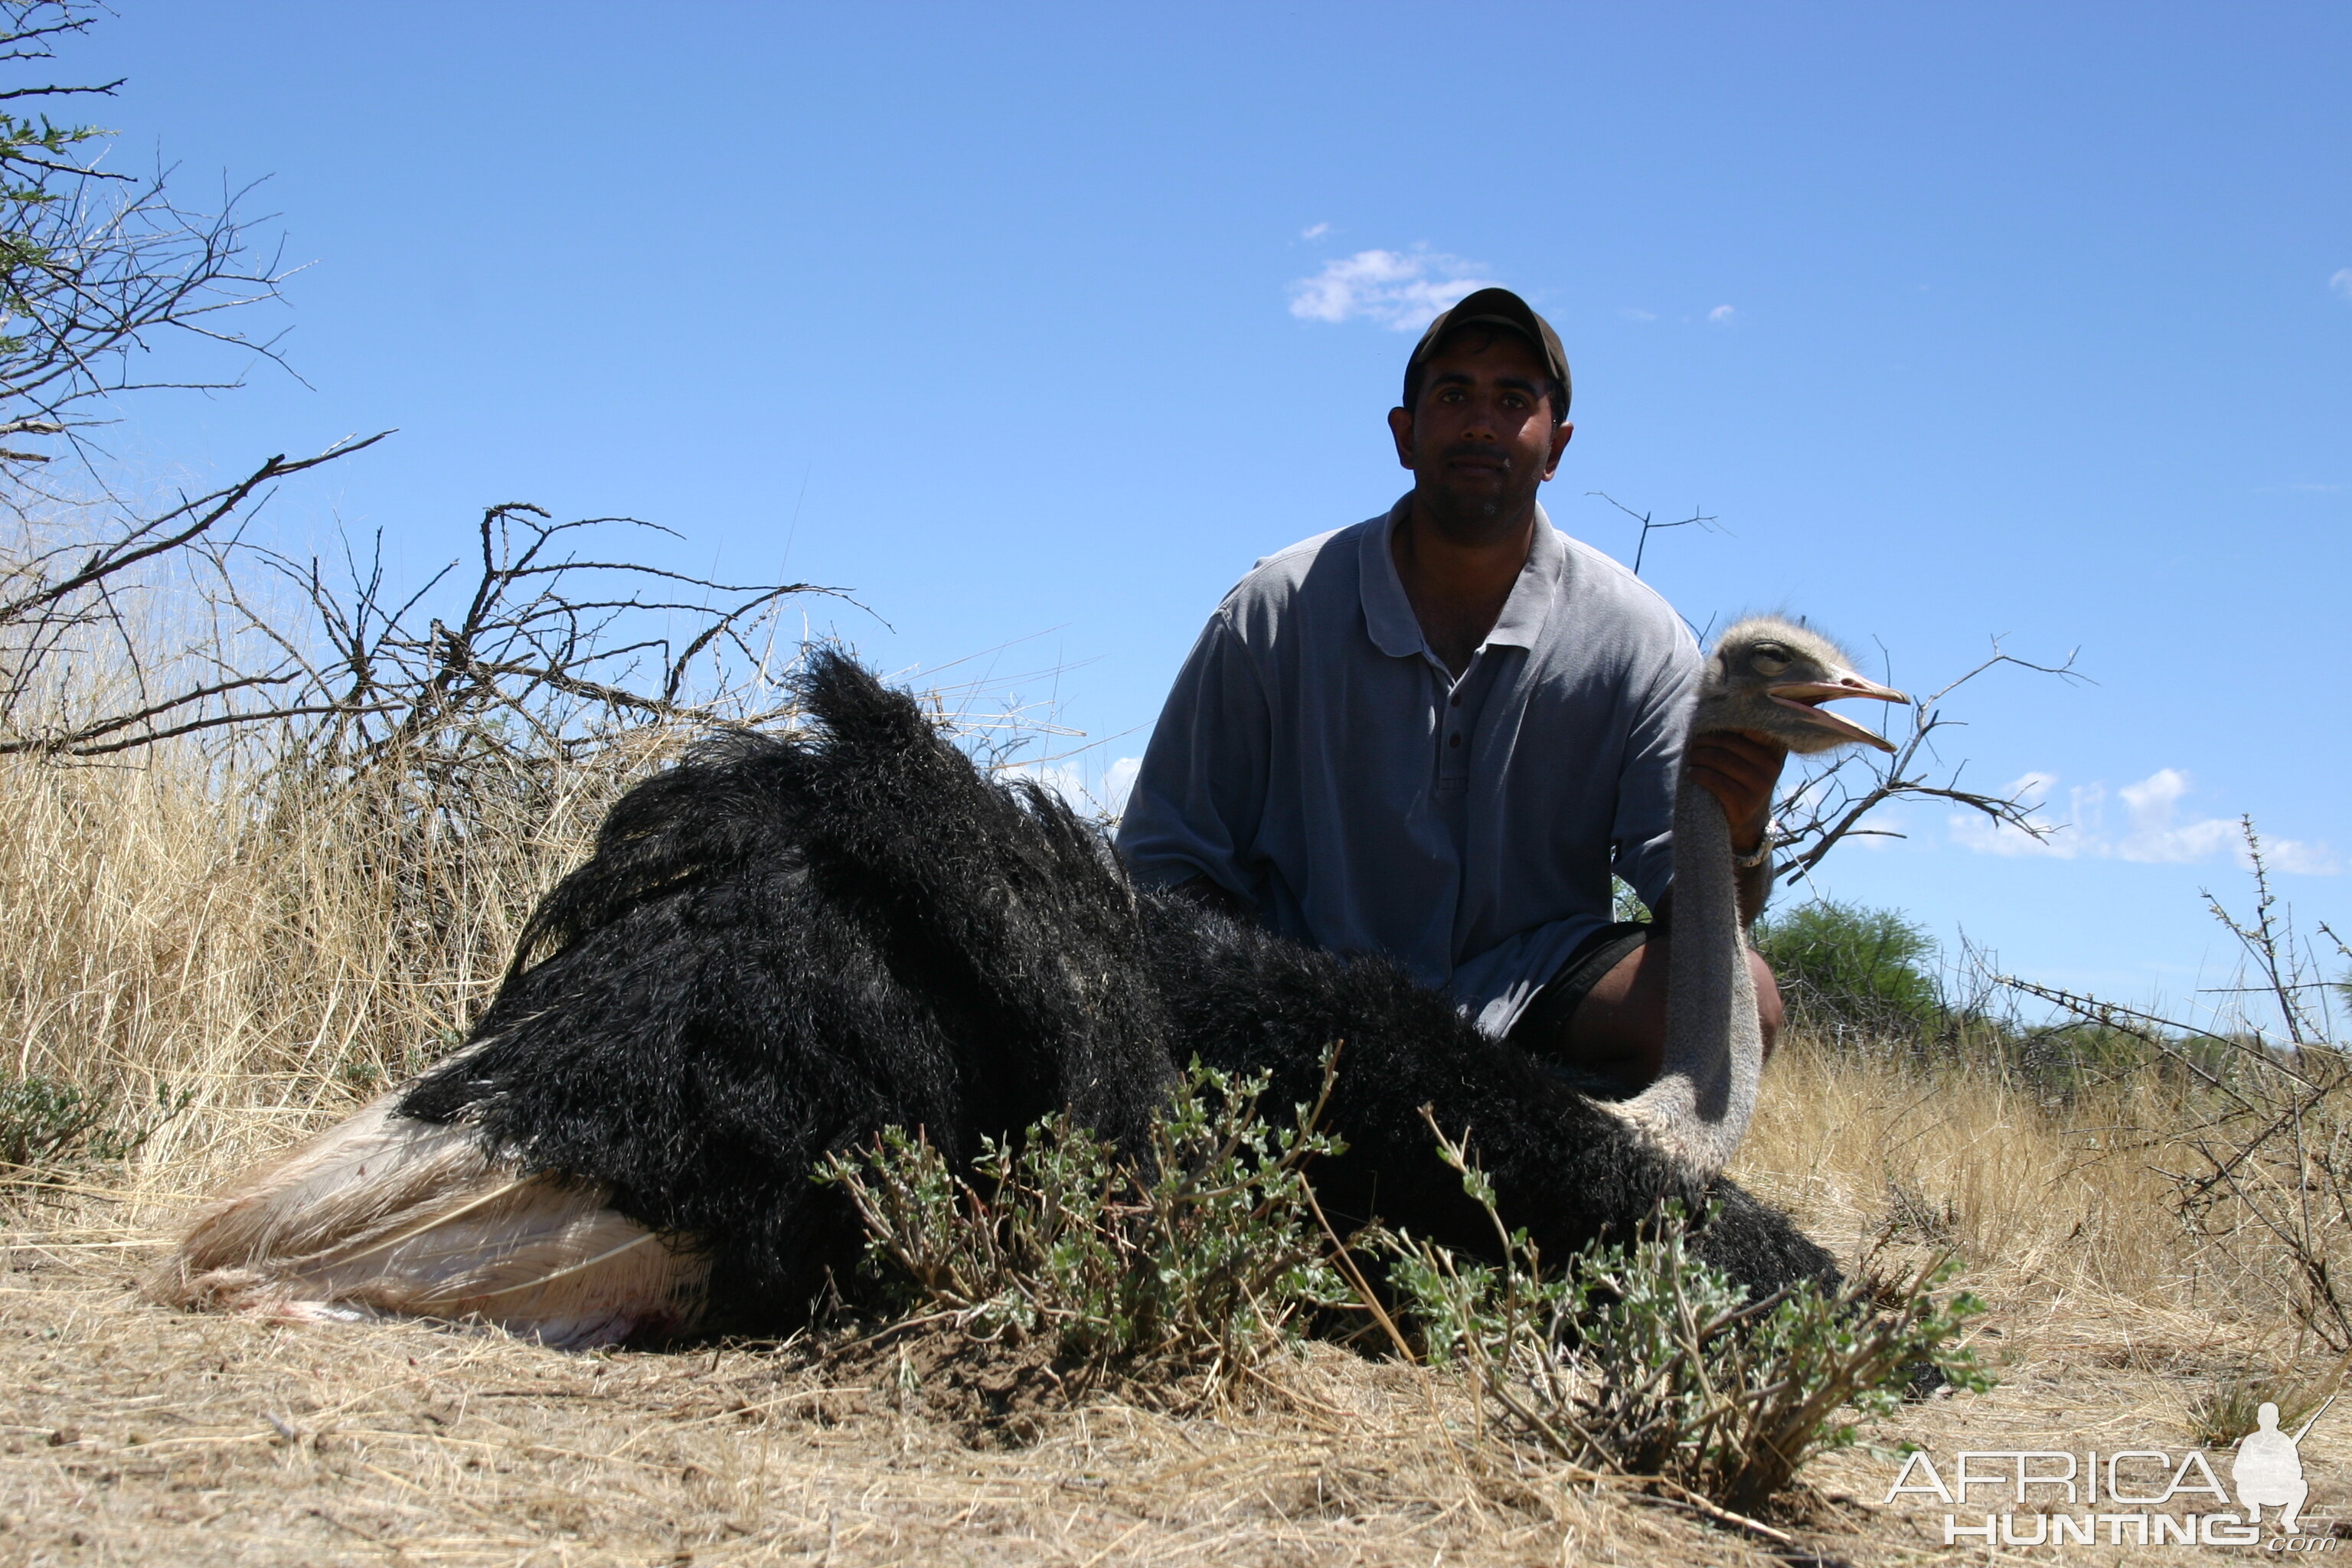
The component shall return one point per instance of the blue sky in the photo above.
(1035, 325)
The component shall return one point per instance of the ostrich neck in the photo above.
(1699, 1106)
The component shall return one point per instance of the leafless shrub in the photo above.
(550, 654)
(80, 674)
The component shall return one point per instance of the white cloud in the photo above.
(1316, 232)
(2153, 831)
(2154, 835)
(1402, 289)
(2342, 282)
(1631, 314)
(1068, 780)
(2302, 859)
(1721, 315)
(1106, 797)
(1119, 782)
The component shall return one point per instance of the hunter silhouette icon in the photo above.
(2268, 1469)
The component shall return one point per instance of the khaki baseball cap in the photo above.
(1498, 308)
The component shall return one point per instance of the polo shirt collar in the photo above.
(1388, 614)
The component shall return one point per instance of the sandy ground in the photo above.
(134, 1433)
(130, 1433)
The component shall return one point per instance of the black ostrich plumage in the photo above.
(783, 945)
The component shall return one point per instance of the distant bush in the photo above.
(1845, 970)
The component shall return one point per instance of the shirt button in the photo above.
(1454, 742)
(1454, 700)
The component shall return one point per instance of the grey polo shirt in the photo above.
(1317, 759)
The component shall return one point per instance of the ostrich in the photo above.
(781, 946)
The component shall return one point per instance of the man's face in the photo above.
(1481, 440)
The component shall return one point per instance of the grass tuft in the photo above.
(2226, 1408)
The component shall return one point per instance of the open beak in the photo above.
(1806, 697)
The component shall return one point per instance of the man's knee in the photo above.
(1617, 1032)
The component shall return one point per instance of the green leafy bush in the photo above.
(1643, 1360)
(43, 1120)
(1203, 1265)
(1848, 971)
(47, 1124)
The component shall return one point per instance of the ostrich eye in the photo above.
(1771, 658)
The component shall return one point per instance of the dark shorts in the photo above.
(1543, 1027)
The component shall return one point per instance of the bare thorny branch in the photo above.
(534, 647)
(54, 596)
(1641, 545)
(550, 644)
(1830, 804)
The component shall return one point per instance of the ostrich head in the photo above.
(1772, 677)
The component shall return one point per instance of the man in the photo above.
(1434, 734)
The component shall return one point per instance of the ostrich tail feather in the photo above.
(385, 1214)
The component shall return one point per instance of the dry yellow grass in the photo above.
(2046, 1203)
(269, 952)
(275, 957)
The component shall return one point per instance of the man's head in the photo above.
(1484, 418)
(1489, 311)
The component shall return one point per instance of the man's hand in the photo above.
(1740, 769)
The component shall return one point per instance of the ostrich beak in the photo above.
(1806, 697)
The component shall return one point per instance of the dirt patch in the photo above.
(992, 1395)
